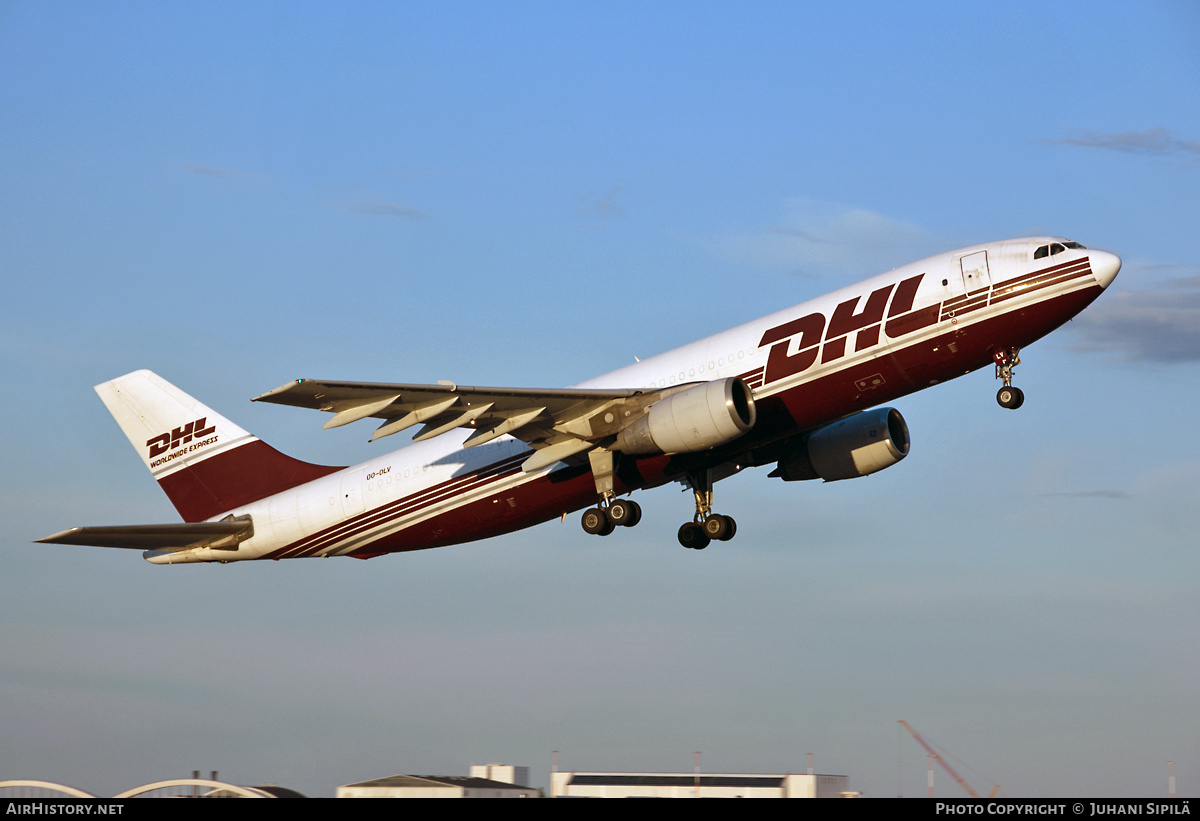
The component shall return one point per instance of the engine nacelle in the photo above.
(691, 420)
(858, 445)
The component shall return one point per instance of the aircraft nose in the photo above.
(1104, 266)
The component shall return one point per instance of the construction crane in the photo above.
(961, 781)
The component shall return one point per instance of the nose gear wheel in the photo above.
(1008, 396)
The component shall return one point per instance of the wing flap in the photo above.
(585, 415)
(507, 424)
(438, 426)
(424, 413)
(359, 411)
(555, 453)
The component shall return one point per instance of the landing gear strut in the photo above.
(612, 511)
(1008, 396)
(706, 526)
(603, 519)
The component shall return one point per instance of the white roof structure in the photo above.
(435, 786)
(693, 785)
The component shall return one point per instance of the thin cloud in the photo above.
(1155, 141)
(218, 171)
(812, 236)
(387, 209)
(1160, 325)
(605, 207)
(1093, 494)
(414, 173)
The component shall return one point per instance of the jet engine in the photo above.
(858, 445)
(694, 419)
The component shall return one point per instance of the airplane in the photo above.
(801, 389)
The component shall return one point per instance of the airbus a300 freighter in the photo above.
(800, 389)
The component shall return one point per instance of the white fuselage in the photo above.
(817, 362)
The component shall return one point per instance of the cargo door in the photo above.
(975, 273)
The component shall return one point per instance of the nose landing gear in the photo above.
(1008, 396)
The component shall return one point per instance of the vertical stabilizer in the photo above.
(205, 463)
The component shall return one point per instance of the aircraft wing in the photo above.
(226, 534)
(557, 423)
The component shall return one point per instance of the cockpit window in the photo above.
(1056, 248)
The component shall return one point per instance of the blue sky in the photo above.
(236, 195)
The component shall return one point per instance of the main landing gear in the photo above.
(611, 512)
(604, 519)
(706, 526)
(1008, 396)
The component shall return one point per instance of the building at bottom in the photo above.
(691, 785)
(435, 786)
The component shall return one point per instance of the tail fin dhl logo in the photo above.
(179, 436)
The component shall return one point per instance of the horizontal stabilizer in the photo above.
(219, 535)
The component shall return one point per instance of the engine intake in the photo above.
(858, 445)
(694, 419)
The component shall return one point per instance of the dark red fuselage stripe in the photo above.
(235, 478)
(316, 542)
